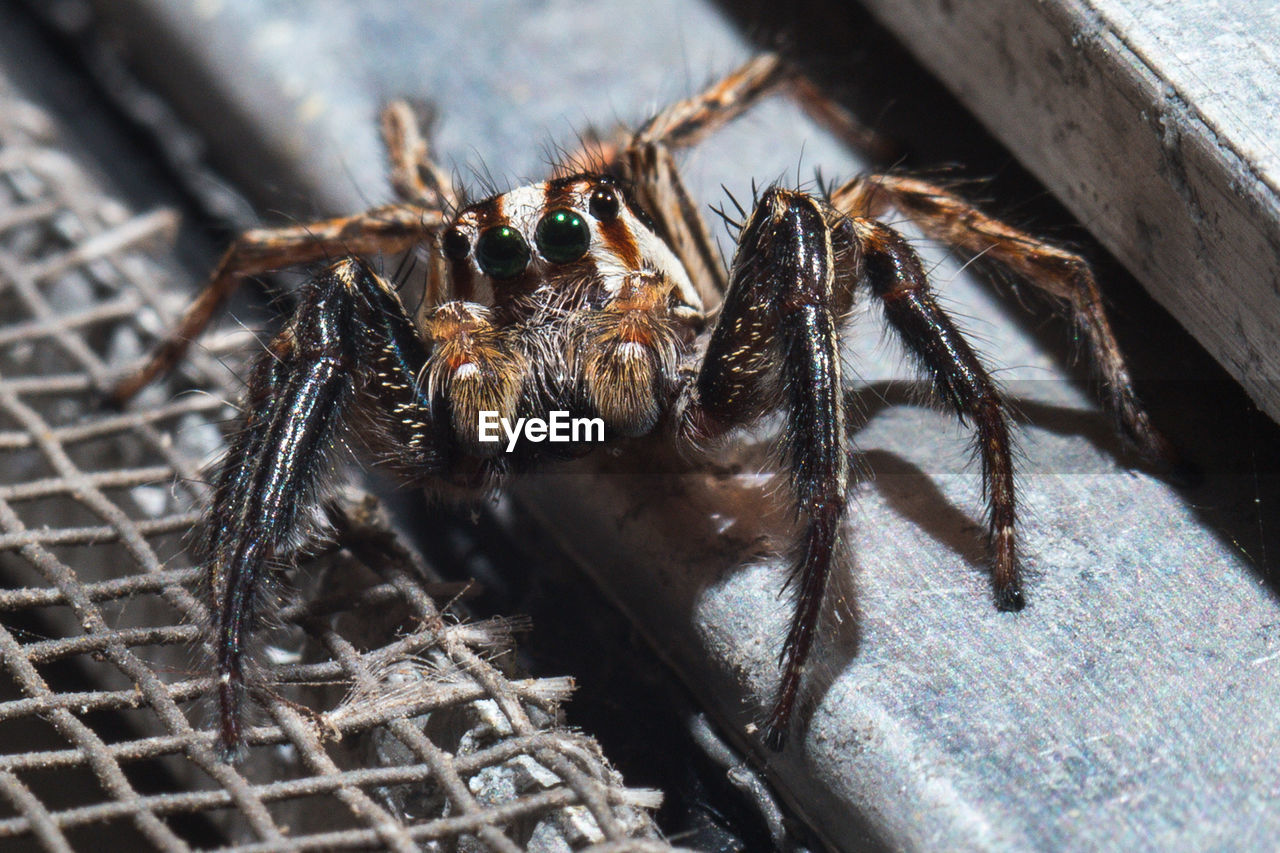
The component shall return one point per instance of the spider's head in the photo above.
(578, 233)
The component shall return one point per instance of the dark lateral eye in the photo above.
(455, 244)
(502, 252)
(562, 236)
(604, 204)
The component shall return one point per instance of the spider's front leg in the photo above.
(786, 294)
(776, 343)
(350, 334)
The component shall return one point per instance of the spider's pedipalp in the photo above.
(475, 367)
(624, 354)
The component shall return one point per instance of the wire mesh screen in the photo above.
(384, 721)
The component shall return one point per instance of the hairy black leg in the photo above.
(781, 309)
(1063, 276)
(892, 270)
(348, 331)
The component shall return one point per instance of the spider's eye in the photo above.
(604, 204)
(562, 236)
(502, 252)
(455, 244)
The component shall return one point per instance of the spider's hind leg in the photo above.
(1063, 276)
(425, 194)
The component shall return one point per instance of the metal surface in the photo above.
(1158, 123)
(1096, 718)
(389, 723)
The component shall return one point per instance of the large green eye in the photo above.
(502, 252)
(562, 236)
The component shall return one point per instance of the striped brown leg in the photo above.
(649, 165)
(687, 122)
(1062, 275)
(776, 339)
(681, 125)
(385, 230)
(651, 168)
(416, 178)
(646, 161)
(892, 270)
(658, 188)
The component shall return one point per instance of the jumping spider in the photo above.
(598, 292)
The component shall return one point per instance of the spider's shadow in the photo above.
(909, 491)
(913, 493)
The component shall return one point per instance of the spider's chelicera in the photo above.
(598, 294)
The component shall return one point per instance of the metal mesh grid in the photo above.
(426, 744)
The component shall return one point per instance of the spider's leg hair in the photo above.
(595, 154)
(782, 308)
(735, 224)
(1063, 276)
(742, 214)
(349, 330)
(894, 274)
(385, 230)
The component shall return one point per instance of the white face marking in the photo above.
(524, 207)
(654, 254)
(632, 350)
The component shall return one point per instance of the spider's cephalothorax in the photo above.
(558, 296)
(590, 294)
